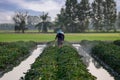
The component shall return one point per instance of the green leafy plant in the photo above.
(109, 53)
(59, 64)
(11, 53)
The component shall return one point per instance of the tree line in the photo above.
(100, 15)
(22, 21)
(79, 16)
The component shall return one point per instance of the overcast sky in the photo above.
(34, 7)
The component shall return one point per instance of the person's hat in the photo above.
(60, 31)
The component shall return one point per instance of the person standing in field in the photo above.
(60, 38)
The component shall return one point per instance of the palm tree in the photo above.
(45, 23)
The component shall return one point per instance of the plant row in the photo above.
(58, 64)
(109, 53)
(12, 53)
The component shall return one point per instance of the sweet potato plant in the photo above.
(59, 64)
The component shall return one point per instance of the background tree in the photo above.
(20, 21)
(109, 15)
(118, 21)
(75, 16)
(83, 14)
(104, 15)
(71, 8)
(61, 20)
(45, 23)
(98, 15)
(32, 21)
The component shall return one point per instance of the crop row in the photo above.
(58, 64)
(109, 53)
(12, 53)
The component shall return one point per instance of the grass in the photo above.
(71, 37)
(26, 37)
(27, 31)
(93, 36)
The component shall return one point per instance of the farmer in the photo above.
(60, 38)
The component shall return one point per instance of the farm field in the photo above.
(109, 53)
(71, 37)
(11, 54)
(62, 64)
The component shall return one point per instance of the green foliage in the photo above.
(97, 7)
(58, 64)
(83, 14)
(118, 20)
(77, 16)
(104, 15)
(20, 21)
(67, 17)
(61, 20)
(109, 53)
(117, 42)
(110, 14)
(45, 23)
(11, 52)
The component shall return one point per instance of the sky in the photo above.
(34, 7)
